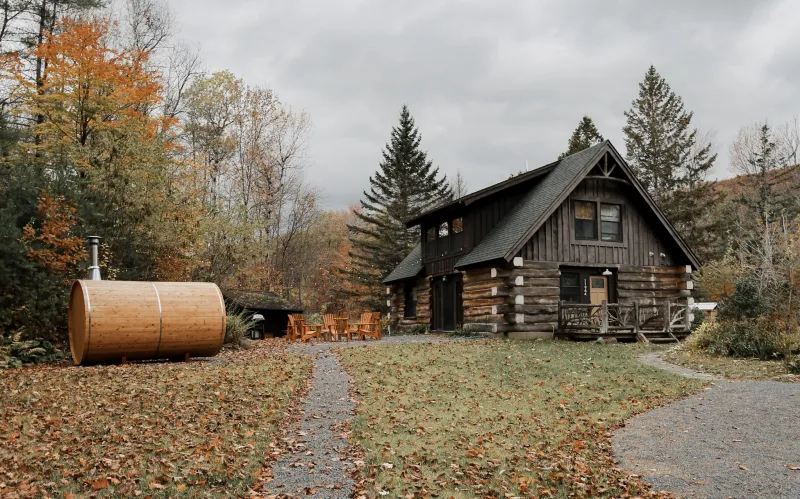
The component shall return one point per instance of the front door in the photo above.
(586, 285)
(448, 312)
(598, 292)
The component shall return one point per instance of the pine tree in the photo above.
(405, 185)
(671, 161)
(584, 137)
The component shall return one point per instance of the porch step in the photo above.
(662, 339)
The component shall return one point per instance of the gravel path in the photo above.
(316, 464)
(734, 439)
(654, 359)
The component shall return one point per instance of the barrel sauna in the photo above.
(121, 320)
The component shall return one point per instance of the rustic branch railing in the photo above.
(605, 318)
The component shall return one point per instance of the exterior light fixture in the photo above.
(607, 272)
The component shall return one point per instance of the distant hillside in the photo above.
(785, 178)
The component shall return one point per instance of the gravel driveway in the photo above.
(316, 465)
(734, 439)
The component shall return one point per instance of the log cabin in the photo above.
(577, 238)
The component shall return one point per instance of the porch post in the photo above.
(687, 317)
(636, 317)
(604, 317)
(667, 317)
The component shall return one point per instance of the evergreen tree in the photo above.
(584, 137)
(405, 185)
(671, 161)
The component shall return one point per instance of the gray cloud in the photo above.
(493, 84)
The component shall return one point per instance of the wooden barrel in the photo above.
(116, 320)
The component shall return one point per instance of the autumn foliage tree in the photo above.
(50, 241)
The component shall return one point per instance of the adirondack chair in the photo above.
(329, 326)
(353, 328)
(371, 327)
(291, 330)
(340, 328)
(303, 331)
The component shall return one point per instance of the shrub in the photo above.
(746, 302)
(746, 338)
(408, 330)
(237, 327)
(16, 353)
(793, 363)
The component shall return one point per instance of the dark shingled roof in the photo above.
(534, 208)
(259, 300)
(408, 268)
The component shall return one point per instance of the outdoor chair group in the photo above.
(334, 328)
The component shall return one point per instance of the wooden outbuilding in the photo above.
(274, 309)
(537, 256)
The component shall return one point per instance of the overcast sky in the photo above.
(492, 84)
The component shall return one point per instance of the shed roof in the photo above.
(408, 268)
(252, 299)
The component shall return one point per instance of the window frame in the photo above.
(620, 223)
(443, 246)
(409, 306)
(598, 203)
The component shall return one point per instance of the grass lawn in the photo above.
(727, 367)
(499, 418)
(159, 429)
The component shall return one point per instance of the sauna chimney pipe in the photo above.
(93, 272)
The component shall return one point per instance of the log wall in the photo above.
(654, 285)
(519, 300)
(397, 303)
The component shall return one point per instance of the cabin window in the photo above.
(410, 300)
(611, 222)
(457, 238)
(444, 241)
(585, 220)
(430, 242)
(571, 287)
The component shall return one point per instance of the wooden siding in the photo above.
(484, 216)
(554, 241)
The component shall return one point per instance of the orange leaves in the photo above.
(53, 246)
(89, 86)
(145, 429)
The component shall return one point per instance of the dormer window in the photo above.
(457, 243)
(444, 238)
(430, 243)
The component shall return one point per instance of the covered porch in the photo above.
(663, 322)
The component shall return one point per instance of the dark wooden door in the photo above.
(448, 310)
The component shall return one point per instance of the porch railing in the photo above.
(668, 317)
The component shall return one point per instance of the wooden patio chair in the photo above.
(291, 329)
(352, 329)
(329, 326)
(303, 331)
(371, 327)
(340, 328)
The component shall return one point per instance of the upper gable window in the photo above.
(611, 222)
(585, 220)
(458, 226)
(444, 230)
(457, 243)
